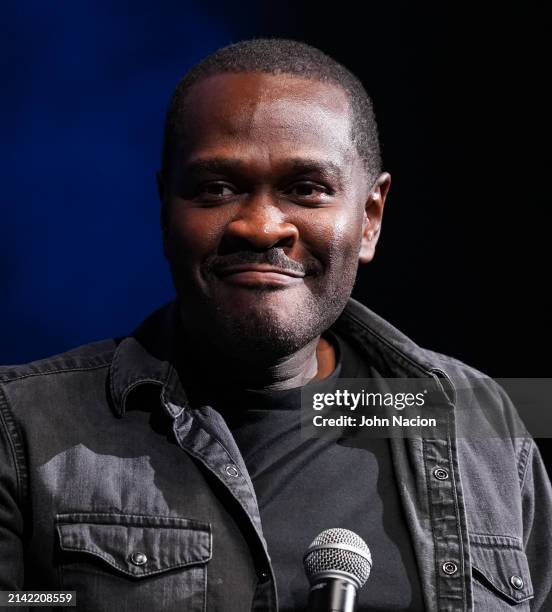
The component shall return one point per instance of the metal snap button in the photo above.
(517, 582)
(138, 558)
(263, 576)
(440, 473)
(232, 470)
(450, 568)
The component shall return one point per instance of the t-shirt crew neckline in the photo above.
(230, 399)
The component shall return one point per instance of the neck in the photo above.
(241, 369)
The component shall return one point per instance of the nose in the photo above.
(261, 224)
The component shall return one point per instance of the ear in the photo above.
(162, 190)
(373, 213)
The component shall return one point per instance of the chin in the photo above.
(270, 329)
(274, 323)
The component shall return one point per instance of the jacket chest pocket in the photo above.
(501, 578)
(126, 561)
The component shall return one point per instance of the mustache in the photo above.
(273, 257)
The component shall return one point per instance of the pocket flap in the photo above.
(136, 545)
(502, 564)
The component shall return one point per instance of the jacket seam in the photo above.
(461, 542)
(8, 379)
(524, 462)
(114, 369)
(205, 459)
(507, 594)
(106, 558)
(138, 383)
(432, 520)
(494, 535)
(8, 423)
(63, 519)
(396, 351)
(204, 572)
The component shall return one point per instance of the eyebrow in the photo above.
(296, 165)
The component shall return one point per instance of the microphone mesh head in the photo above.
(336, 559)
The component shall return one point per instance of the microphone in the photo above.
(337, 564)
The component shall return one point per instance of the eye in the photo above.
(215, 190)
(308, 191)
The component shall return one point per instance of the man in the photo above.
(166, 470)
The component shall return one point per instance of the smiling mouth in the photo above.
(259, 275)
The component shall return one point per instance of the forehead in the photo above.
(267, 115)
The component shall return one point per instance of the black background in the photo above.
(462, 99)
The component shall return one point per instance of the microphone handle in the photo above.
(332, 595)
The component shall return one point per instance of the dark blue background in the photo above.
(464, 261)
(85, 92)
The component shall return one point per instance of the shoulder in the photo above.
(86, 379)
(37, 397)
(478, 398)
(94, 355)
(38, 393)
(390, 347)
(485, 411)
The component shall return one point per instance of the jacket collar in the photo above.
(392, 352)
(147, 357)
(148, 354)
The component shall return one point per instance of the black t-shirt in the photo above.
(304, 486)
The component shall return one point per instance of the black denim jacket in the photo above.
(113, 486)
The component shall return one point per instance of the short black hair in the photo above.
(279, 56)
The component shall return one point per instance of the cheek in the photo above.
(193, 232)
(338, 237)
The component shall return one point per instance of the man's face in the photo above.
(266, 211)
